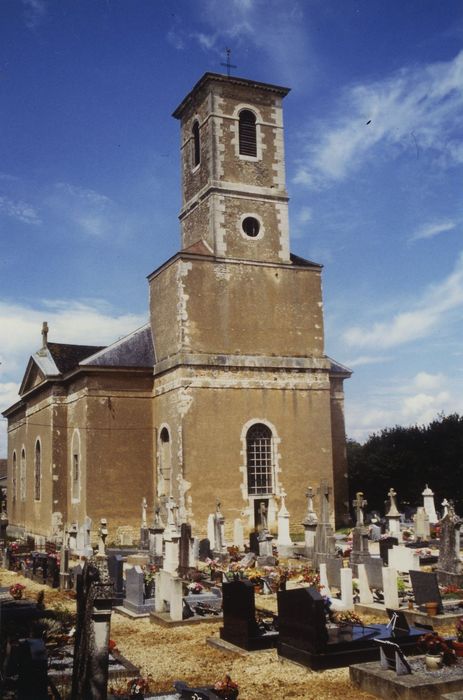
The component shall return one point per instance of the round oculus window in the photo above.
(251, 226)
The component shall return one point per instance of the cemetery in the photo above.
(357, 608)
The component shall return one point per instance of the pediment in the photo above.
(32, 377)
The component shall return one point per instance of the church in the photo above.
(226, 394)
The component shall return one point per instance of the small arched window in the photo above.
(14, 477)
(22, 476)
(247, 133)
(196, 144)
(259, 460)
(37, 470)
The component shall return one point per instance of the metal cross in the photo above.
(228, 65)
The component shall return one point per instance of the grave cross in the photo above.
(324, 491)
(393, 503)
(228, 65)
(359, 504)
(144, 508)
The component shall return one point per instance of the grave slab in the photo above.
(429, 685)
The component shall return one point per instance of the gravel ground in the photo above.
(181, 653)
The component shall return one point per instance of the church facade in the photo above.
(227, 393)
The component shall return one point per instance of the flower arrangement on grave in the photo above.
(234, 553)
(254, 575)
(407, 535)
(347, 617)
(137, 687)
(16, 590)
(149, 574)
(459, 629)
(226, 688)
(452, 592)
(433, 644)
(195, 587)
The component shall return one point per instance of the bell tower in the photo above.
(233, 174)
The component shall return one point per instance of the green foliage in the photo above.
(408, 459)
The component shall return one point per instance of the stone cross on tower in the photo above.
(44, 334)
(359, 504)
(393, 511)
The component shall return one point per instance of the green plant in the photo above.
(401, 588)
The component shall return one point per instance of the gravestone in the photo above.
(391, 657)
(309, 524)
(284, 542)
(375, 532)
(238, 534)
(393, 515)
(333, 571)
(75, 572)
(254, 542)
(64, 578)
(428, 505)
(324, 583)
(73, 537)
(211, 530)
(426, 589)
(184, 549)
(347, 598)
(248, 560)
(240, 626)
(403, 559)
(205, 549)
(374, 571)
(135, 600)
(168, 597)
(171, 538)
(219, 531)
(360, 553)
(324, 542)
(32, 683)
(422, 526)
(144, 532)
(390, 590)
(155, 535)
(91, 648)
(365, 594)
(116, 573)
(384, 546)
(449, 566)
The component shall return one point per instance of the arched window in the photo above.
(259, 458)
(196, 144)
(75, 467)
(14, 477)
(22, 476)
(247, 133)
(165, 464)
(37, 470)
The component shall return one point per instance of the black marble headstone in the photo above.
(239, 617)
(116, 572)
(302, 619)
(184, 548)
(384, 546)
(205, 549)
(426, 588)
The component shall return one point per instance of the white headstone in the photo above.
(324, 587)
(366, 596)
(284, 538)
(171, 557)
(391, 594)
(422, 527)
(211, 530)
(403, 558)
(238, 534)
(428, 504)
(176, 599)
(347, 596)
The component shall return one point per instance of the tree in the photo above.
(408, 459)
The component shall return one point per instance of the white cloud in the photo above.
(22, 211)
(429, 312)
(367, 360)
(417, 108)
(431, 230)
(305, 215)
(415, 402)
(93, 213)
(35, 12)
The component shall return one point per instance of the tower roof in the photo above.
(230, 80)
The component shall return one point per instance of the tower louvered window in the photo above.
(247, 133)
(196, 145)
(259, 460)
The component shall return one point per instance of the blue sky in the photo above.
(90, 181)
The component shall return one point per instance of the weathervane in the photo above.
(228, 65)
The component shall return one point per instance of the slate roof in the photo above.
(134, 350)
(338, 368)
(303, 262)
(67, 357)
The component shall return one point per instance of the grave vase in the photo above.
(434, 661)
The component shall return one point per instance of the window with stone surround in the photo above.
(196, 152)
(37, 470)
(14, 476)
(22, 476)
(247, 133)
(259, 458)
